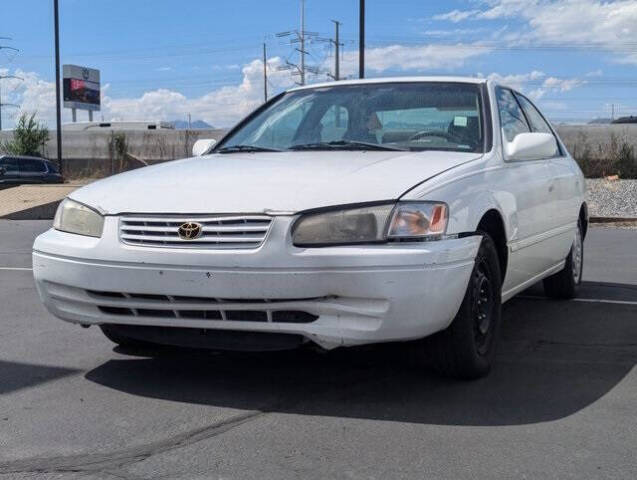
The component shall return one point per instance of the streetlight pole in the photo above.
(361, 40)
(58, 106)
(265, 74)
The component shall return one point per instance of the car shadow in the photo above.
(15, 376)
(555, 358)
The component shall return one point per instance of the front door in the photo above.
(32, 170)
(530, 185)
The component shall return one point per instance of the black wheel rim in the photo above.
(483, 305)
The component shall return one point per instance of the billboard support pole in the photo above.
(90, 115)
(74, 113)
(58, 106)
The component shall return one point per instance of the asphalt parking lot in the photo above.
(561, 402)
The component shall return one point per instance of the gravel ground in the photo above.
(616, 198)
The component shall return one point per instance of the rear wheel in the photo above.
(564, 284)
(467, 347)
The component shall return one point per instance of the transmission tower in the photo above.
(3, 77)
(299, 37)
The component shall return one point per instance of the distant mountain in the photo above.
(196, 125)
(597, 121)
(629, 119)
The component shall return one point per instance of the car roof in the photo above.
(366, 81)
(23, 157)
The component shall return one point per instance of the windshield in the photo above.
(385, 116)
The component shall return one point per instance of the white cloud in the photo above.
(219, 107)
(416, 58)
(536, 84)
(226, 105)
(587, 23)
(456, 15)
(595, 73)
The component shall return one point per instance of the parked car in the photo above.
(18, 169)
(346, 213)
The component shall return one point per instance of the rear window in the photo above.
(10, 164)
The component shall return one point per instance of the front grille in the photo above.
(219, 231)
(201, 308)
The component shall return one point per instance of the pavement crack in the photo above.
(99, 462)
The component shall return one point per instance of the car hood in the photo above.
(267, 182)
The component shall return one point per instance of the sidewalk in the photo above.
(32, 202)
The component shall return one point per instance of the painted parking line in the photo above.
(586, 300)
(17, 269)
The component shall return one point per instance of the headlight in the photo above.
(372, 224)
(73, 217)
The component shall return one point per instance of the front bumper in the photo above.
(354, 294)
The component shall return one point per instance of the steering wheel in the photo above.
(434, 133)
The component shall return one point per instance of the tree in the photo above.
(29, 137)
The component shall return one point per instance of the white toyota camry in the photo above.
(385, 210)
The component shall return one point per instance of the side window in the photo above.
(511, 116)
(10, 164)
(538, 124)
(334, 123)
(537, 121)
(29, 165)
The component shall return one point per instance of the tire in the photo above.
(466, 349)
(564, 284)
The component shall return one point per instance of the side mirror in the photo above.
(531, 146)
(203, 146)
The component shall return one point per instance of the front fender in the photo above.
(470, 193)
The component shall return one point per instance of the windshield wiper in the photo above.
(344, 145)
(245, 148)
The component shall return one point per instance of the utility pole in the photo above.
(612, 115)
(337, 45)
(2, 77)
(58, 106)
(265, 74)
(361, 39)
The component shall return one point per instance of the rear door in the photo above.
(32, 170)
(9, 170)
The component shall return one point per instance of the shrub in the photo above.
(29, 137)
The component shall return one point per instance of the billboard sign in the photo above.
(81, 87)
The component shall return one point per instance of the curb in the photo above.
(629, 220)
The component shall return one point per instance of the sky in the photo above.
(163, 60)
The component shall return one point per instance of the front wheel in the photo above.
(564, 284)
(466, 348)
